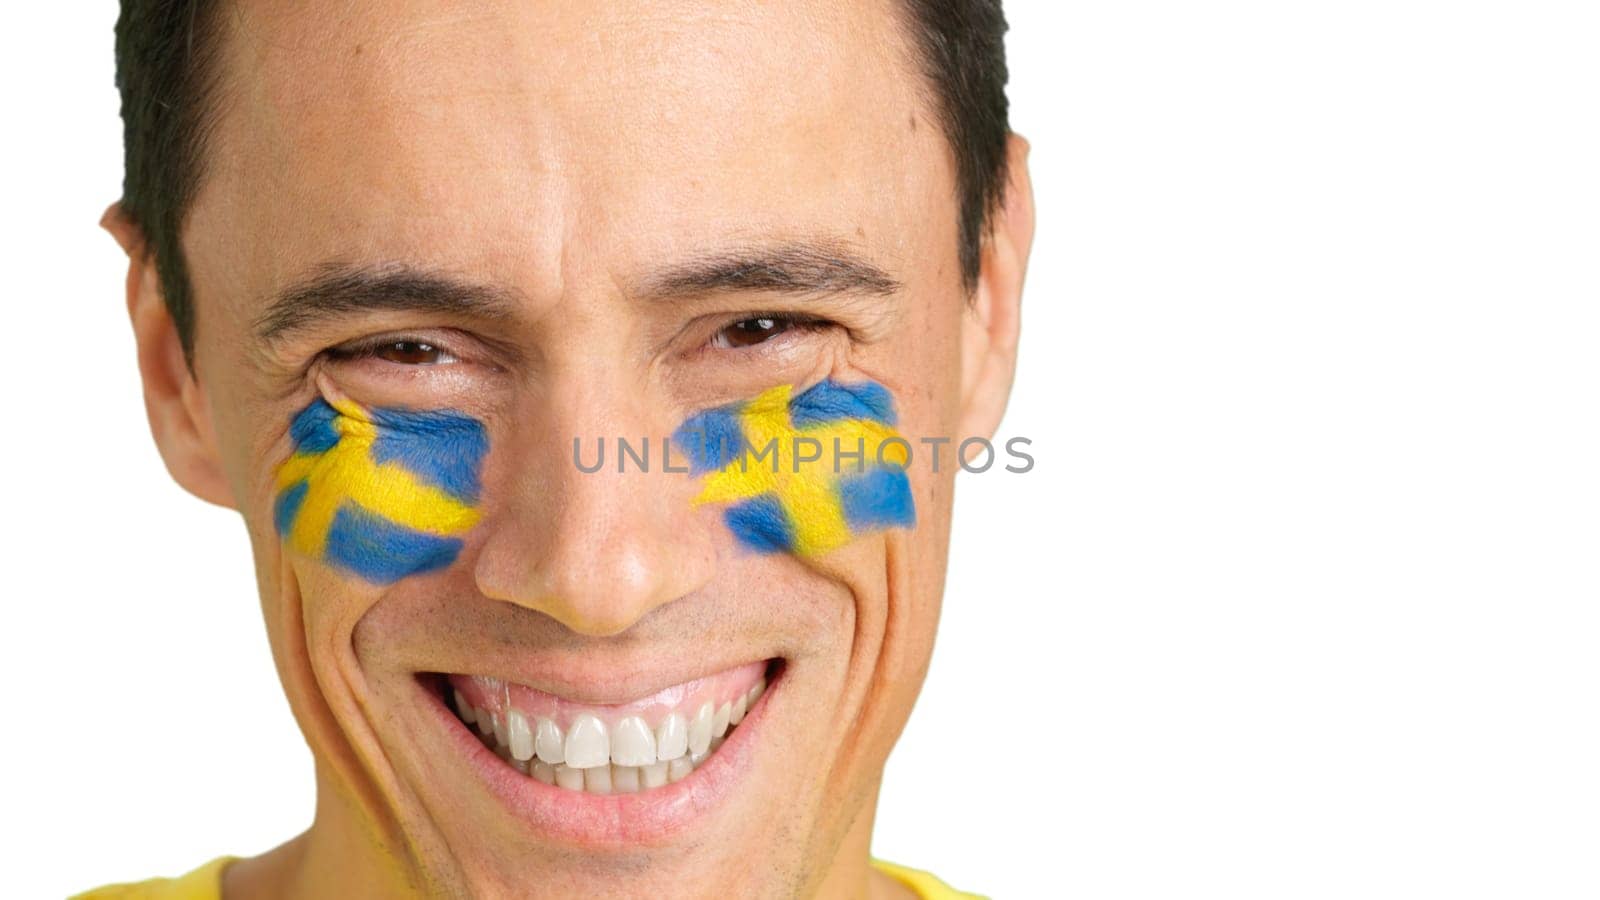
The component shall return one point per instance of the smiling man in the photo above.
(392, 264)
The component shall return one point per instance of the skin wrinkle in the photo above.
(581, 151)
(866, 642)
(299, 670)
(411, 842)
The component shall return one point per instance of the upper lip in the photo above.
(581, 678)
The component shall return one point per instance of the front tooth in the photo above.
(653, 775)
(587, 745)
(499, 729)
(520, 735)
(719, 722)
(679, 769)
(633, 743)
(695, 759)
(672, 738)
(463, 708)
(521, 765)
(548, 742)
(700, 729)
(736, 715)
(597, 780)
(624, 779)
(485, 726)
(569, 778)
(544, 771)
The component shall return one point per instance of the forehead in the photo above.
(546, 142)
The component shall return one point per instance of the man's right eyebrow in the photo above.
(335, 290)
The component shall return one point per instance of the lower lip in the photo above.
(622, 821)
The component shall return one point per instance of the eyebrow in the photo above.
(814, 267)
(337, 289)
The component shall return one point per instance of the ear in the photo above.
(993, 318)
(174, 401)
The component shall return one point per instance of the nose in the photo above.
(595, 550)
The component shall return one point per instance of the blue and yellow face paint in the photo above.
(777, 462)
(382, 493)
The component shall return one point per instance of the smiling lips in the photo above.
(604, 749)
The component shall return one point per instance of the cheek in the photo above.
(803, 473)
(380, 494)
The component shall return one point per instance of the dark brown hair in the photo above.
(166, 71)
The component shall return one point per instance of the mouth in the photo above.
(640, 745)
(622, 774)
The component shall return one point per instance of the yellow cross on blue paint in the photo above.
(787, 467)
(382, 493)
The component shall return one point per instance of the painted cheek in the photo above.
(803, 473)
(380, 493)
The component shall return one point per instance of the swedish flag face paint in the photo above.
(778, 462)
(381, 493)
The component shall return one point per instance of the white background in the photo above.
(1300, 600)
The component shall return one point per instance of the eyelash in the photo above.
(368, 349)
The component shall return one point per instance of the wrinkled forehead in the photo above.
(552, 142)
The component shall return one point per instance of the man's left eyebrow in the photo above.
(811, 268)
(335, 289)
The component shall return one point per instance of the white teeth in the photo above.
(633, 743)
(597, 780)
(569, 778)
(653, 775)
(625, 779)
(623, 758)
(700, 729)
(548, 742)
(587, 745)
(679, 769)
(520, 735)
(672, 737)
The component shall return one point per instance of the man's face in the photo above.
(624, 204)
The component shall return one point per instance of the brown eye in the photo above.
(749, 332)
(410, 353)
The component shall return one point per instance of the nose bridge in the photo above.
(589, 538)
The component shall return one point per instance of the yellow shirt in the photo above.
(205, 883)
(923, 884)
